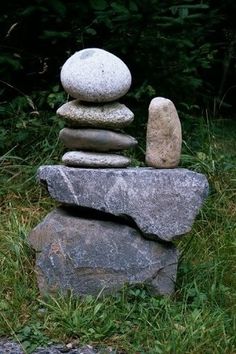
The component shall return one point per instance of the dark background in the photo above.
(183, 50)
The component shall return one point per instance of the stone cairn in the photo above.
(115, 225)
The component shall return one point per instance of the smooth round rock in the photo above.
(95, 75)
(96, 139)
(110, 115)
(164, 136)
(94, 159)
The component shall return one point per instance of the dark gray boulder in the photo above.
(90, 256)
(162, 202)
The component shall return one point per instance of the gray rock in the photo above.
(164, 137)
(163, 203)
(94, 159)
(95, 75)
(59, 349)
(90, 256)
(8, 346)
(96, 139)
(110, 115)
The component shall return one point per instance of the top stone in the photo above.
(95, 75)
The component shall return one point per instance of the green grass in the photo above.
(198, 318)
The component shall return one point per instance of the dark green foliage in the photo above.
(23, 127)
(163, 43)
(175, 49)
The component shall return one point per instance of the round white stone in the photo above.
(95, 75)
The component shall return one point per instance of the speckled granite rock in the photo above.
(59, 349)
(110, 115)
(8, 346)
(94, 159)
(88, 256)
(96, 139)
(95, 75)
(164, 137)
(163, 203)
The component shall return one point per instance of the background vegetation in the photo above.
(183, 50)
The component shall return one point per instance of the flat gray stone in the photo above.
(110, 115)
(162, 202)
(164, 136)
(96, 139)
(90, 256)
(94, 159)
(8, 346)
(95, 75)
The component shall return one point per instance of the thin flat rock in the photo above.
(110, 115)
(96, 139)
(94, 159)
(162, 202)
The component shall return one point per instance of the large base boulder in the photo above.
(163, 203)
(89, 256)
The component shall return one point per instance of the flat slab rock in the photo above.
(163, 203)
(90, 256)
(112, 115)
(94, 159)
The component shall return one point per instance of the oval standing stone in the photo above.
(95, 75)
(110, 115)
(94, 159)
(164, 137)
(96, 139)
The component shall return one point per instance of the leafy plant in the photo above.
(31, 337)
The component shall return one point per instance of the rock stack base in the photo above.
(95, 255)
(115, 227)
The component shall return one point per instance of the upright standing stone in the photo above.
(164, 137)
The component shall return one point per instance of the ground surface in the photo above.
(198, 319)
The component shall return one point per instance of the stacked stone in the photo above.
(96, 79)
(114, 225)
